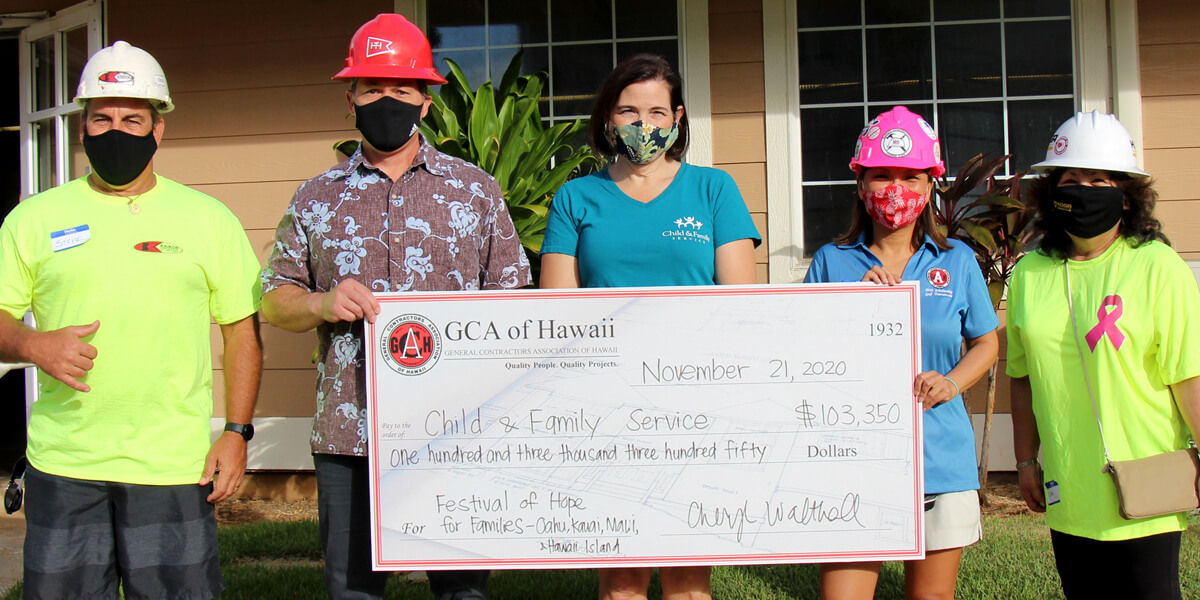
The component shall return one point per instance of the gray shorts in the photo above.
(84, 538)
(953, 521)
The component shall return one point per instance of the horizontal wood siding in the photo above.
(738, 106)
(1169, 51)
(256, 114)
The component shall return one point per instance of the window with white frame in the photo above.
(991, 76)
(578, 42)
(52, 53)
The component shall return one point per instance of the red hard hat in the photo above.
(390, 47)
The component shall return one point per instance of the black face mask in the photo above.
(119, 157)
(387, 123)
(1087, 211)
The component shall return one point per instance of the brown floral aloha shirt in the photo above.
(443, 226)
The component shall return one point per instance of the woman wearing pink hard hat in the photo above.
(1104, 352)
(893, 237)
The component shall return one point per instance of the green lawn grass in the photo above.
(267, 560)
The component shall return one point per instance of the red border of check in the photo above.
(619, 561)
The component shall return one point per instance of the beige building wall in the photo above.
(1169, 52)
(738, 106)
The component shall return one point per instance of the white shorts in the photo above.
(953, 521)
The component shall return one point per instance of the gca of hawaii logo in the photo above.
(410, 344)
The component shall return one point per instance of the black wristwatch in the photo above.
(246, 431)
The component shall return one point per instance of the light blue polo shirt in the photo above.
(671, 240)
(954, 306)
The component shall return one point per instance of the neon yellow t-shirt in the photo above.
(152, 279)
(1138, 315)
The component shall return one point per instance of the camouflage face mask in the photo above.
(640, 141)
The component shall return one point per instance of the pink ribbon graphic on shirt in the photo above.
(1107, 324)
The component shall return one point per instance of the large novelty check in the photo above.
(647, 426)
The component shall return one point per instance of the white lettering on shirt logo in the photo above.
(687, 229)
(69, 238)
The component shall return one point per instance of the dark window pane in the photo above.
(76, 159)
(827, 210)
(42, 55)
(828, 136)
(882, 12)
(77, 55)
(455, 23)
(574, 20)
(899, 66)
(1030, 125)
(668, 49)
(472, 62)
(830, 67)
(646, 18)
(968, 60)
(956, 10)
(577, 73)
(516, 22)
(1037, 8)
(532, 61)
(826, 14)
(1039, 58)
(968, 129)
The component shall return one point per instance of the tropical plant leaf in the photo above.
(981, 234)
(501, 130)
(512, 73)
(346, 147)
(996, 292)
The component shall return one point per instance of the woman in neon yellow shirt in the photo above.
(1104, 302)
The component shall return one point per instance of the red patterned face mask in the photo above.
(894, 206)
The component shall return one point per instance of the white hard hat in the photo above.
(1092, 140)
(124, 71)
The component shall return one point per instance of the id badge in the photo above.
(1052, 496)
(69, 238)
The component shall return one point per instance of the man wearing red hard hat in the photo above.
(396, 216)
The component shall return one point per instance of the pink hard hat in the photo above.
(898, 138)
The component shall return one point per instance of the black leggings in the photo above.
(1141, 568)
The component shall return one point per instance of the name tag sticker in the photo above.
(69, 238)
(1052, 497)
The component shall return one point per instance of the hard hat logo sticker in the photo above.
(927, 128)
(377, 46)
(1060, 144)
(116, 77)
(896, 143)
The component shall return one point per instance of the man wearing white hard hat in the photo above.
(396, 216)
(124, 270)
(1104, 352)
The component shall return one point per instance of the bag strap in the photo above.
(1083, 363)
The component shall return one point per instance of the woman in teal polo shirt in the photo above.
(649, 219)
(893, 237)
